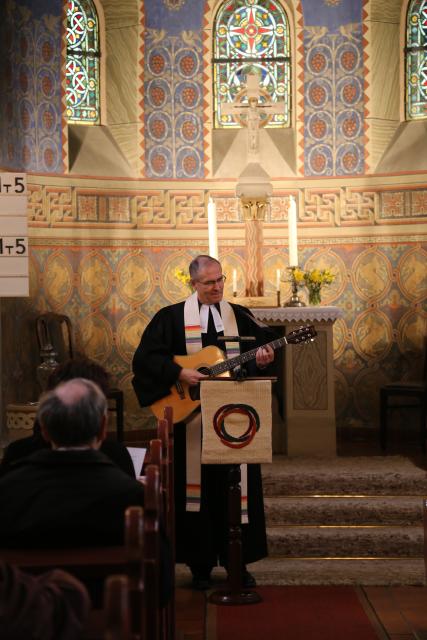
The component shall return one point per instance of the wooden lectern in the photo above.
(236, 418)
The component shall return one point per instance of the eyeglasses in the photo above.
(212, 283)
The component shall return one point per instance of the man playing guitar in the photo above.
(177, 331)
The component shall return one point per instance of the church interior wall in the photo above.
(104, 246)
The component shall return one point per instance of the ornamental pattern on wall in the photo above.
(31, 100)
(333, 102)
(173, 106)
(110, 290)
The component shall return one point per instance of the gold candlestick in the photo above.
(294, 300)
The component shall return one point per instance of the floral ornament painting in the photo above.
(313, 280)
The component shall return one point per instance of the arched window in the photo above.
(82, 68)
(251, 36)
(416, 60)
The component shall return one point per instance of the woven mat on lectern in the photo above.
(236, 418)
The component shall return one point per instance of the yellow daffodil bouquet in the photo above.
(182, 276)
(314, 281)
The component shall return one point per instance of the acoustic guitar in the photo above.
(211, 361)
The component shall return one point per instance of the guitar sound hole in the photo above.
(204, 370)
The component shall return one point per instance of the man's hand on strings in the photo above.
(191, 376)
(264, 356)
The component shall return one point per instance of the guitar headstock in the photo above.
(302, 334)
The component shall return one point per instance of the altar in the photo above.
(307, 381)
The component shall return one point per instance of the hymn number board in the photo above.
(14, 279)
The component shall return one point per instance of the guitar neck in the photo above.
(227, 365)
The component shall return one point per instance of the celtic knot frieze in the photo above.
(59, 205)
(320, 207)
(152, 207)
(56, 206)
(36, 210)
(190, 208)
(359, 206)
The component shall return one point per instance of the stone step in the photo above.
(320, 510)
(318, 571)
(346, 541)
(364, 475)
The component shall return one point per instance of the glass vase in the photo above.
(314, 296)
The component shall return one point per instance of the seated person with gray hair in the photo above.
(70, 494)
(81, 367)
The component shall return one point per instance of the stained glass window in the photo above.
(251, 37)
(82, 69)
(416, 60)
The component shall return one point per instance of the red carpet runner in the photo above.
(296, 613)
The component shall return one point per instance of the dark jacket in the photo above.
(19, 449)
(65, 498)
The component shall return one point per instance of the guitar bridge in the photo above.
(180, 390)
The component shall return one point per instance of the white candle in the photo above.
(277, 279)
(292, 230)
(234, 281)
(212, 230)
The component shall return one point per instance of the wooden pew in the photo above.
(94, 565)
(117, 608)
(138, 561)
(167, 438)
(425, 533)
(140, 616)
(160, 453)
(151, 610)
(166, 435)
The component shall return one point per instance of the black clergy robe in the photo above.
(201, 538)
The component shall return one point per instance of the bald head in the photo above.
(73, 414)
(199, 263)
(74, 391)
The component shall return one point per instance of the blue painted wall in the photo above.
(30, 102)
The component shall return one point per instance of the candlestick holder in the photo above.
(294, 300)
(278, 298)
(234, 294)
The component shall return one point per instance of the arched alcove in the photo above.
(116, 143)
(278, 146)
(394, 144)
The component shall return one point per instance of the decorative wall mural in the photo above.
(96, 336)
(94, 279)
(135, 278)
(129, 333)
(372, 333)
(174, 106)
(57, 280)
(413, 274)
(333, 104)
(31, 93)
(372, 275)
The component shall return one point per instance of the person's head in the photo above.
(207, 279)
(73, 414)
(79, 368)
